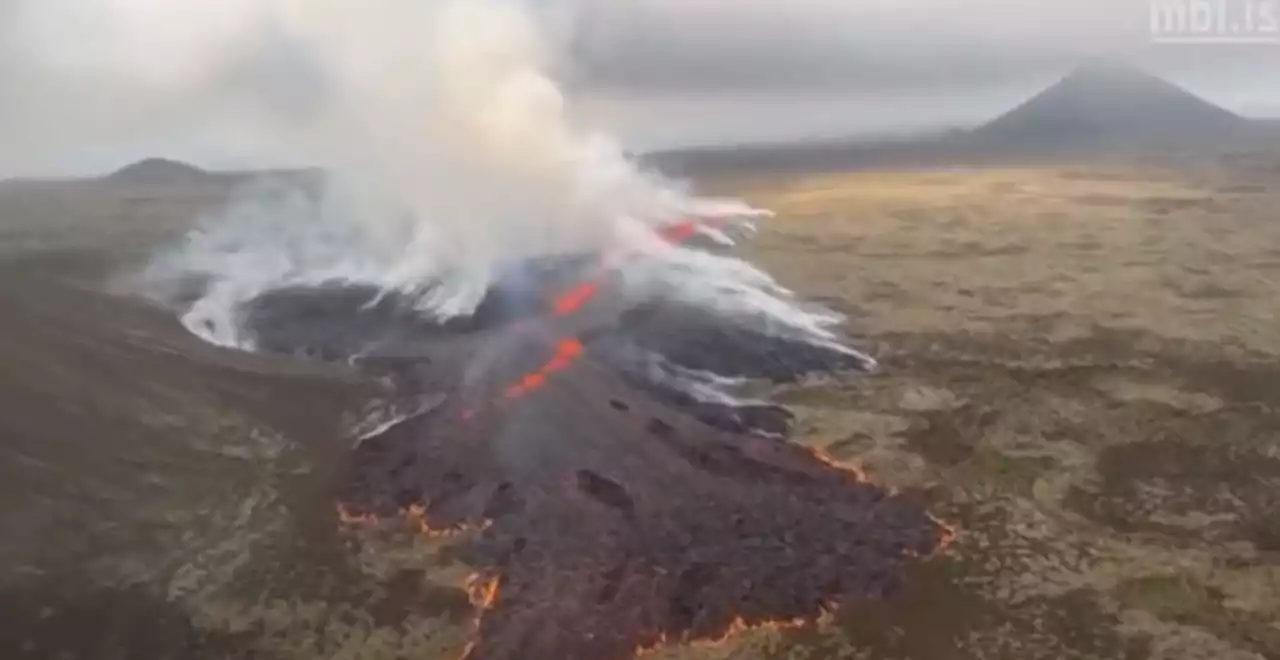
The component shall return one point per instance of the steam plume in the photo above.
(453, 156)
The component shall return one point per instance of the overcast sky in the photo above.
(85, 84)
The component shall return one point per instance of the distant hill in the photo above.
(158, 171)
(1109, 104)
(1100, 108)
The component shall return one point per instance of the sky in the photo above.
(86, 85)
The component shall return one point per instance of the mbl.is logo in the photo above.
(1216, 21)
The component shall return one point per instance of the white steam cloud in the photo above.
(452, 154)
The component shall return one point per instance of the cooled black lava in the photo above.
(611, 507)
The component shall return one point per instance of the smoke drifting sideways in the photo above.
(451, 158)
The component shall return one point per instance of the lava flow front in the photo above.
(608, 509)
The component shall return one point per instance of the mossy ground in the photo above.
(1081, 373)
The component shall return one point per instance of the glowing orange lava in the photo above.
(570, 302)
(573, 300)
(853, 471)
(949, 533)
(678, 232)
(567, 350)
(581, 293)
(483, 593)
(415, 515)
(735, 628)
(347, 517)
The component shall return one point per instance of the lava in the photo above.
(414, 515)
(611, 517)
(572, 301)
(678, 232)
(483, 593)
(855, 473)
(567, 350)
(356, 519)
(736, 627)
(617, 522)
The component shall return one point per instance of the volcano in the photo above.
(584, 450)
(158, 171)
(1105, 103)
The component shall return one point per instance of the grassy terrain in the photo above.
(1082, 373)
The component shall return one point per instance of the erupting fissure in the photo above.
(567, 350)
(571, 301)
(602, 522)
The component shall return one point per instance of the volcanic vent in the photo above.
(607, 489)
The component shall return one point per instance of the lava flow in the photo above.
(608, 512)
(567, 350)
(573, 300)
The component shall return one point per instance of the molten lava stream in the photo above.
(567, 350)
(572, 301)
(797, 489)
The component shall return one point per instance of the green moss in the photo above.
(1180, 600)
(1171, 598)
(1013, 473)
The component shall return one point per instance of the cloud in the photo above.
(225, 80)
(704, 71)
(82, 80)
(874, 45)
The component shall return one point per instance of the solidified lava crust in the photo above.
(611, 510)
